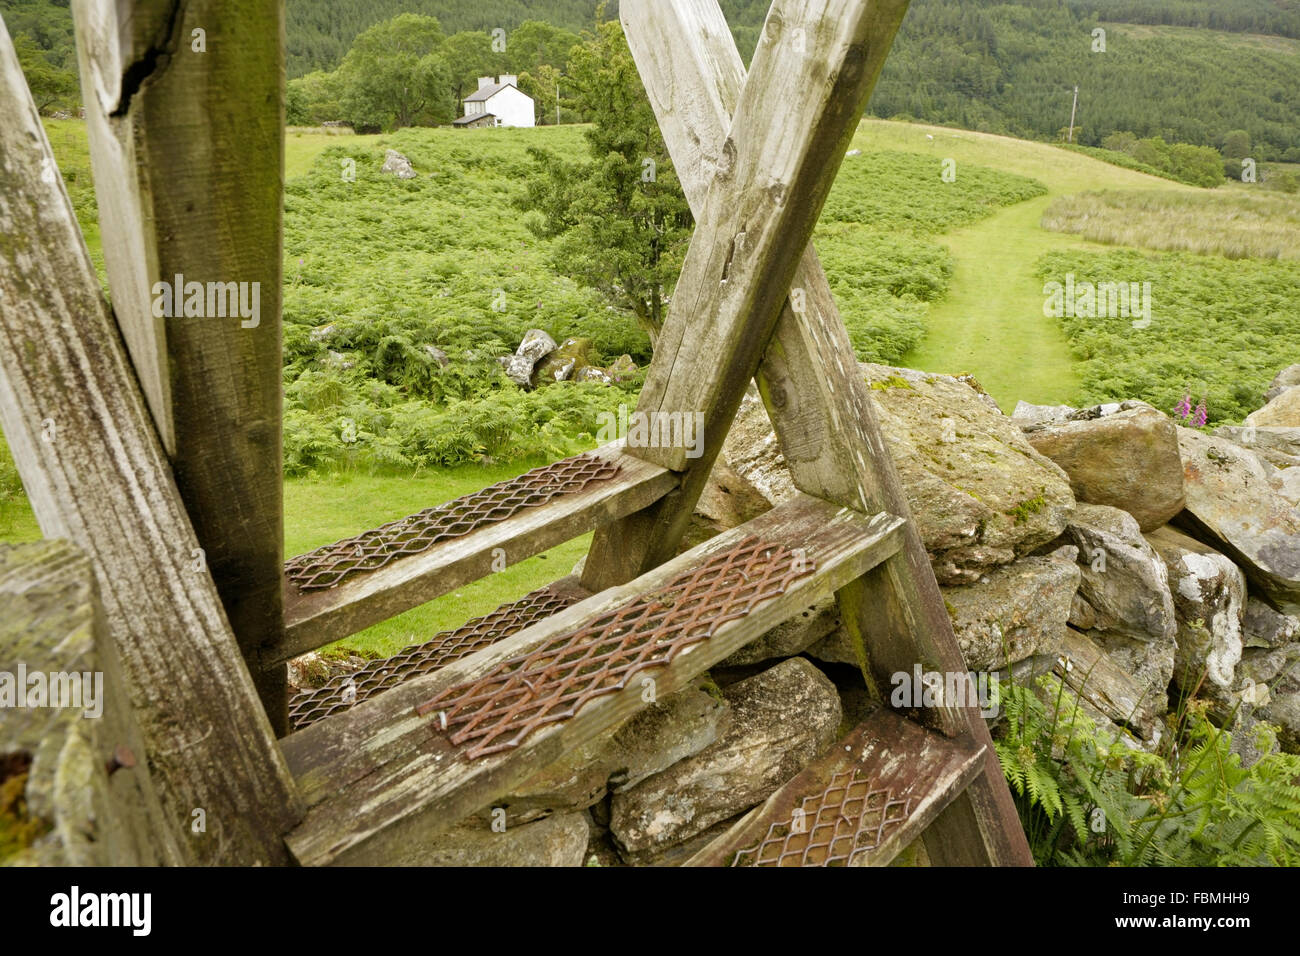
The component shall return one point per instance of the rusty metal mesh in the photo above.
(347, 690)
(830, 828)
(551, 683)
(329, 566)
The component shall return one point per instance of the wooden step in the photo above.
(317, 615)
(409, 763)
(858, 805)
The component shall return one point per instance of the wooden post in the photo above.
(185, 110)
(95, 473)
(811, 77)
(50, 624)
(822, 412)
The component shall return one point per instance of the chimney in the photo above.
(484, 81)
(510, 79)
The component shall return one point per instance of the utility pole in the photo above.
(1073, 109)
(557, 101)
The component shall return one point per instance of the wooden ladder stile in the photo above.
(756, 155)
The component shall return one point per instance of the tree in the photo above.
(314, 98)
(620, 220)
(50, 85)
(470, 55)
(395, 75)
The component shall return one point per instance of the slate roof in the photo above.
(487, 92)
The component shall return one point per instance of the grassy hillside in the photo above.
(942, 275)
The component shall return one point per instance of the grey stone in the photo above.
(559, 840)
(1209, 598)
(980, 494)
(1275, 444)
(676, 727)
(1233, 507)
(1028, 414)
(1283, 410)
(397, 165)
(1127, 457)
(535, 346)
(1289, 377)
(781, 720)
(1264, 627)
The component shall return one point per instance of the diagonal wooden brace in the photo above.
(763, 194)
(822, 411)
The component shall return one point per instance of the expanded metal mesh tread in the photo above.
(499, 710)
(333, 564)
(831, 828)
(345, 691)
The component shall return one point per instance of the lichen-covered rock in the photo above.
(1233, 507)
(1264, 627)
(1277, 445)
(1096, 678)
(1210, 600)
(1027, 413)
(1125, 581)
(562, 364)
(1289, 377)
(1283, 410)
(1015, 612)
(980, 494)
(652, 740)
(781, 720)
(559, 840)
(536, 345)
(1124, 602)
(1123, 455)
(439, 357)
(622, 368)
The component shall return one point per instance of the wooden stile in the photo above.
(816, 398)
(96, 474)
(187, 147)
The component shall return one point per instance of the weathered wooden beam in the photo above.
(61, 741)
(315, 618)
(798, 110)
(185, 111)
(95, 473)
(816, 397)
(380, 775)
(920, 772)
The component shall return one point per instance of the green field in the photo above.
(942, 276)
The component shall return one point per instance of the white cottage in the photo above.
(499, 103)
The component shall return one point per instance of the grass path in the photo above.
(991, 322)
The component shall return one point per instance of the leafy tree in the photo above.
(395, 75)
(621, 222)
(50, 85)
(314, 98)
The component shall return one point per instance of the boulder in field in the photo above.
(561, 365)
(1124, 455)
(1233, 507)
(536, 345)
(781, 720)
(396, 164)
(981, 496)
